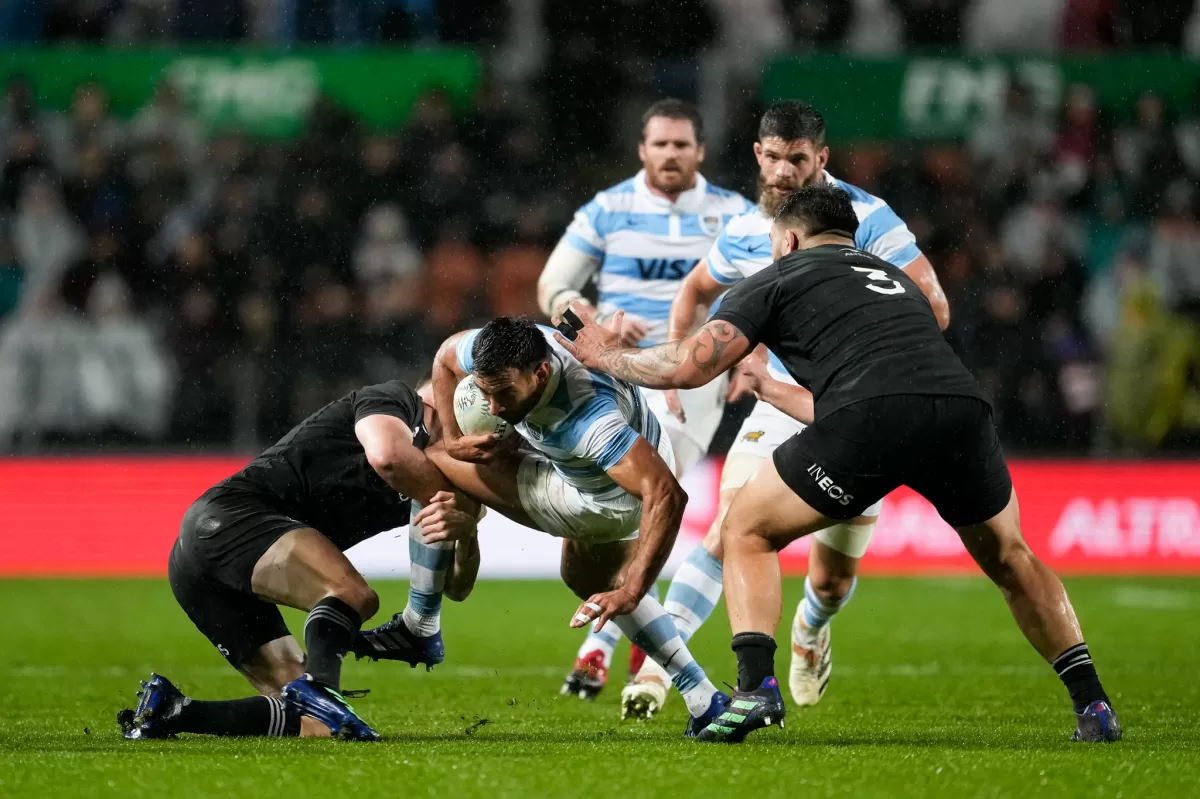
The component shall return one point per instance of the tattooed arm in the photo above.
(688, 363)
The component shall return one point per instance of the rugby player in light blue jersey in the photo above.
(791, 153)
(638, 240)
(595, 468)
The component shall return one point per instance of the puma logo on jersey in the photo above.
(826, 484)
(754, 436)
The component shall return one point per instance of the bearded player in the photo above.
(791, 153)
(639, 239)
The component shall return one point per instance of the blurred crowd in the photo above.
(163, 285)
(1069, 248)
(682, 27)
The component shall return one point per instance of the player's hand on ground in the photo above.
(591, 340)
(674, 404)
(599, 608)
(475, 449)
(443, 520)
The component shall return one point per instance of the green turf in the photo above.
(934, 693)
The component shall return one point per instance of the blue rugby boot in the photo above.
(1097, 724)
(716, 707)
(159, 702)
(393, 640)
(747, 711)
(310, 698)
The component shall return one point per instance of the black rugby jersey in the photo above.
(848, 325)
(318, 473)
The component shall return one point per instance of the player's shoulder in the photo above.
(619, 197)
(726, 202)
(389, 393)
(750, 224)
(865, 203)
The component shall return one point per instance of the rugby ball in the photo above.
(471, 412)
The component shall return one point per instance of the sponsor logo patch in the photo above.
(826, 484)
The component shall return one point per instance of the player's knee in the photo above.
(1012, 560)
(830, 586)
(358, 595)
(572, 578)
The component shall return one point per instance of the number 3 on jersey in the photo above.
(880, 276)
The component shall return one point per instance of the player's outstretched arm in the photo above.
(644, 474)
(921, 272)
(688, 363)
(796, 401)
(388, 444)
(699, 290)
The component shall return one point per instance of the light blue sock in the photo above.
(427, 579)
(694, 592)
(817, 611)
(650, 627)
(606, 639)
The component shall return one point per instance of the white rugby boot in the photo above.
(812, 662)
(646, 693)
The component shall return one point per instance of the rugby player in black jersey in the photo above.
(274, 534)
(890, 405)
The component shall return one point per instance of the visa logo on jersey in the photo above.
(664, 268)
(826, 484)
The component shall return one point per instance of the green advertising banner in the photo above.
(946, 97)
(263, 93)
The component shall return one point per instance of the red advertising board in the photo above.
(96, 516)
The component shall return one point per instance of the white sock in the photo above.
(651, 628)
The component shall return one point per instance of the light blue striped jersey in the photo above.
(744, 246)
(646, 244)
(585, 421)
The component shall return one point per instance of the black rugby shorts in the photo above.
(943, 447)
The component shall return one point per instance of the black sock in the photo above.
(756, 659)
(255, 715)
(1075, 668)
(328, 635)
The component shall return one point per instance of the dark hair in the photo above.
(507, 343)
(792, 121)
(819, 208)
(675, 109)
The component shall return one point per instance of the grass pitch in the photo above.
(934, 693)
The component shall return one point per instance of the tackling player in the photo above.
(274, 534)
(595, 470)
(640, 238)
(791, 153)
(881, 373)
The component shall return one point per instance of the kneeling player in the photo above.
(274, 534)
(597, 473)
(894, 406)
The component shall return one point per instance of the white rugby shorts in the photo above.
(564, 511)
(703, 408)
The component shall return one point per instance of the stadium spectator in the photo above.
(47, 238)
(1174, 257)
